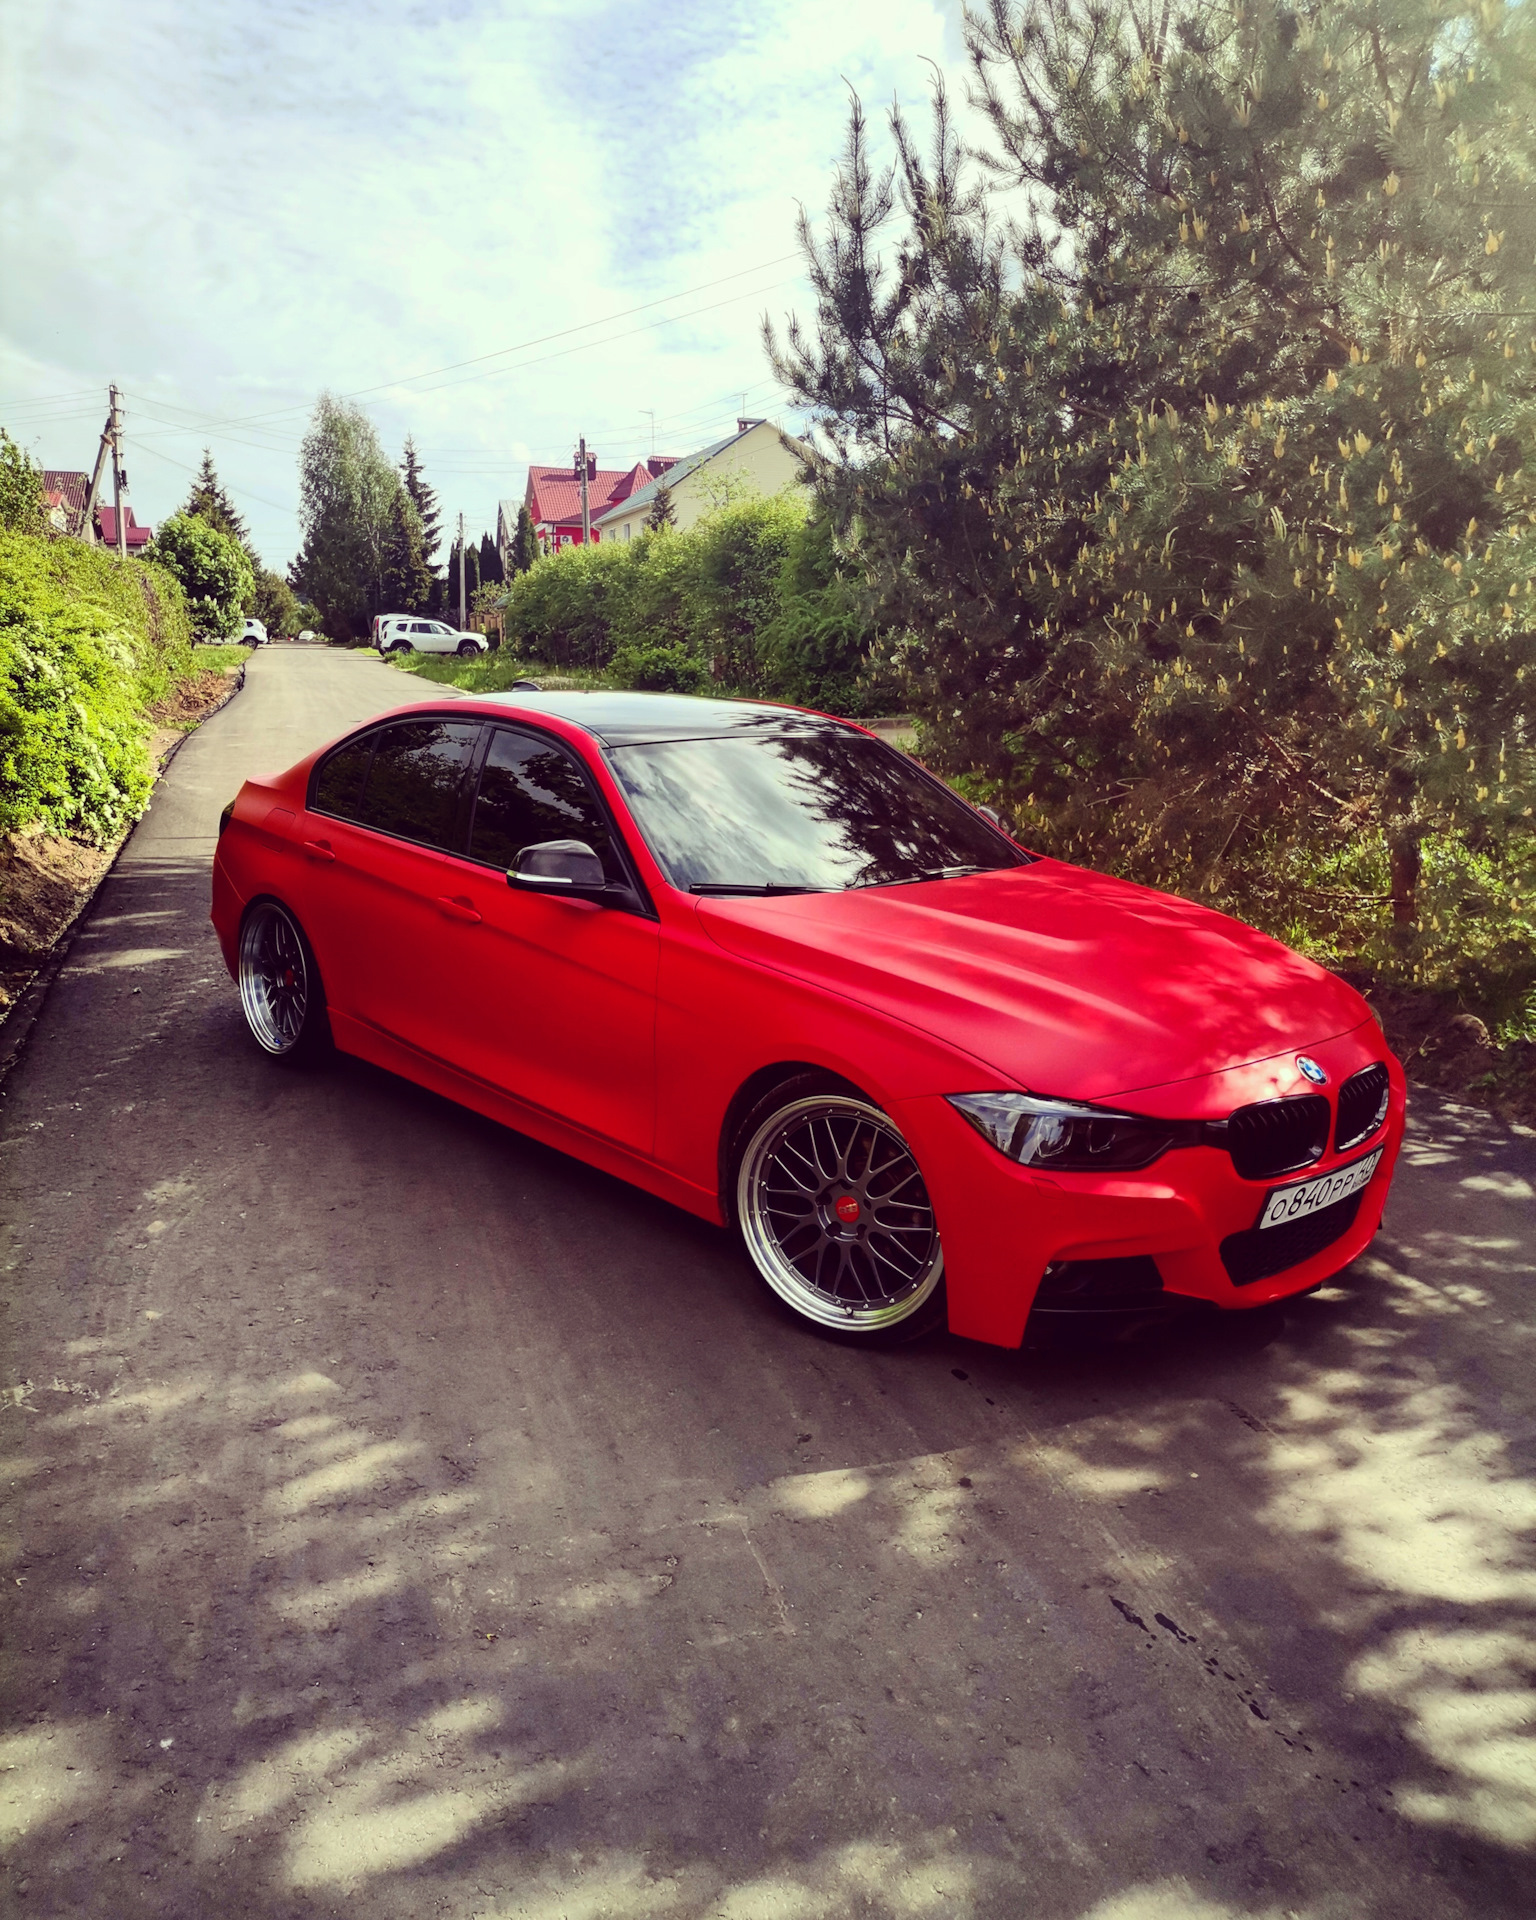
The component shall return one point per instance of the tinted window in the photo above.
(413, 784)
(532, 790)
(824, 810)
(339, 783)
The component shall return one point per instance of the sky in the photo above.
(226, 209)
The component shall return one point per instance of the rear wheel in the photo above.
(280, 991)
(835, 1216)
(402, 646)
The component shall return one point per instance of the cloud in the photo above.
(226, 209)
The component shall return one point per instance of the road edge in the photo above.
(17, 1025)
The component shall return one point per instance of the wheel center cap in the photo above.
(847, 1209)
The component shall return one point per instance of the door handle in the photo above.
(460, 908)
(319, 849)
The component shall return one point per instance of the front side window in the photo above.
(800, 812)
(410, 785)
(532, 790)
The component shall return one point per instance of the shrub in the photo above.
(563, 608)
(213, 569)
(743, 549)
(660, 669)
(87, 645)
(21, 488)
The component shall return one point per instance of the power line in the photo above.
(522, 346)
(244, 492)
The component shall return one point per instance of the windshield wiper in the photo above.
(929, 873)
(750, 886)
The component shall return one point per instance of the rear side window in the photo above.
(339, 783)
(413, 784)
(532, 790)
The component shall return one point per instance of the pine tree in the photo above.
(525, 543)
(451, 578)
(209, 500)
(1202, 493)
(662, 514)
(424, 498)
(491, 570)
(407, 577)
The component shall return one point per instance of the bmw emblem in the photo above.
(1312, 1070)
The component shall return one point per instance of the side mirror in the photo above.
(558, 866)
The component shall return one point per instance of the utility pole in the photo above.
(84, 531)
(586, 512)
(463, 610)
(117, 475)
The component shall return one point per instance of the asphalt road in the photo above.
(404, 1520)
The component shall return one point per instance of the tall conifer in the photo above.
(424, 498)
(1201, 487)
(209, 500)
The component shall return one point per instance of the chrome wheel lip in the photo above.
(766, 1241)
(274, 978)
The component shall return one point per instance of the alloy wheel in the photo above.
(835, 1214)
(274, 978)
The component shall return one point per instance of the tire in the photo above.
(280, 991)
(468, 650)
(871, 1275)
(402, 646)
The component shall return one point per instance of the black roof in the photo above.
(621, 719)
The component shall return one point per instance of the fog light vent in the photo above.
(1089, 1286)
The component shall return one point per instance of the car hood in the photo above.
(1064, 980)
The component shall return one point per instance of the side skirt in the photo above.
(380, 1050)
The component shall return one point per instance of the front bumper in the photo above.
(1003, 1225)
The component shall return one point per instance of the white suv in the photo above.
(408, 633)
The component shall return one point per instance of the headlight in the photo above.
(1067, 1135)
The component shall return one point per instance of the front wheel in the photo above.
(835, 1216)
(280, 992)
(468, 650)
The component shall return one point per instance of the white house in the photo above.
(757, 459)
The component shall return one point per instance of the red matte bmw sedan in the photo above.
(757, 962)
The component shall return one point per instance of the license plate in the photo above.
(1295, 1203)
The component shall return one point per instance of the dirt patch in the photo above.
(44, 881)
(1442, 1046)
(203, 692)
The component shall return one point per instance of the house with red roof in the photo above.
(64, 495)
(553, 499)
(136, 538)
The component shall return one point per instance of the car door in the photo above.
(385, 816)
(552, 999)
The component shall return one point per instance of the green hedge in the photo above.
(88, 644)
(757, 598)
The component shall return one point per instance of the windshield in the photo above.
(798, 812)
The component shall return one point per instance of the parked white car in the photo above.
(409, 633)
(253, 634)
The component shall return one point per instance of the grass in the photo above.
(492, 672)
(218, 659)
